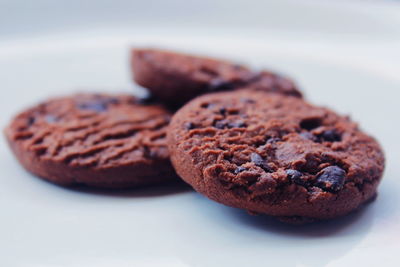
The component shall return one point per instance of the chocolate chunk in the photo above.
(259, 161)
(331, 136)
(234, 124)
(222, 111)
(295, 176)
(239, 169)
(310, 123)
(31, 120)
(256, 159)
(331, 178)
(220, 124)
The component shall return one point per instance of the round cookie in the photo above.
(98, 140)
(275, 155)
(176, 78)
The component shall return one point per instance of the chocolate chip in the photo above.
(310, 123)
(256, 159)
(295, 176)
(259, 161)
(331, 178)
(222, 111)
(99, 106)
(239, 169)
(331, 136)
(189, 125)
(219, 125)
(222, 124)
(30, 121)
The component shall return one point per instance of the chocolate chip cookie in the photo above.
(176, 78)
(98, 140)
(274, 154)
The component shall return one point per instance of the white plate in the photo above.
(46, 225)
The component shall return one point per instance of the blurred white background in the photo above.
(344, 54)
(360, 19)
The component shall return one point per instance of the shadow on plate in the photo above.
(245, 237)
(144, 191)
(314, 229)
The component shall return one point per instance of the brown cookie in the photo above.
(176, 78)
(274, 154)
(94, 139)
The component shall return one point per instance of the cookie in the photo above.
(176, 78)
(111, 141)
(275, 155)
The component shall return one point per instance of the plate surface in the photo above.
(46, 225)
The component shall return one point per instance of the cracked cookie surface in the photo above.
(274, 154)
(176, 78)
(94, 139)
